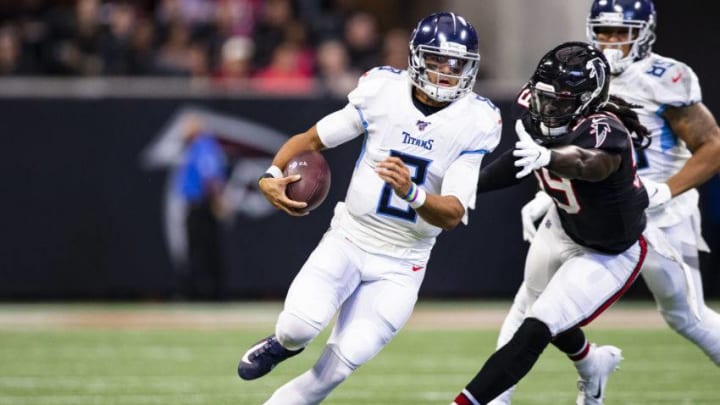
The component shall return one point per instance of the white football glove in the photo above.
(658, 193)
(531, 156)
(532, 211)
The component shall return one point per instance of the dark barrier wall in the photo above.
(82, 219)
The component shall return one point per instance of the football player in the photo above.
(683, 155)
(577, 141)
(425, 135)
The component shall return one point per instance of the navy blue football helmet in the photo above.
(571, 80)
(445, 38)
(637, 16)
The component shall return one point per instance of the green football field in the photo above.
(135, 354)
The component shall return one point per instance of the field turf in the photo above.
(135, 354)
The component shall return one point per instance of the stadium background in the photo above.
(83, 213)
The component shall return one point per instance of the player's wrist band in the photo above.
(273, 172)
(416, 196)
(411, 191)
(419, 199)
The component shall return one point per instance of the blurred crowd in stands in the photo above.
(282, 45)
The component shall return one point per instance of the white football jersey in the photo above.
(443, 152)
(655, 83)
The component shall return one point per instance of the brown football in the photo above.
(314, 184)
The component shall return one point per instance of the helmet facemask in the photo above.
(640, 37)
(561, 90)
(554, 111)
(426, 60)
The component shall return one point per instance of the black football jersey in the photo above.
(606, 215)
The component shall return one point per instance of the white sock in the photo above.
(583, 365)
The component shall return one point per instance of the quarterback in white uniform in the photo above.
(683, 154)
(425, 133)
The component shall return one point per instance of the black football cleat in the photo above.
(262, 357)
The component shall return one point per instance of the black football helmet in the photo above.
(571, 80)
(638, 17)
(450, 38)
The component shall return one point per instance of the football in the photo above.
(314, 184)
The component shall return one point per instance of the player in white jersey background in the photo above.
(683, 155)
(426, 133)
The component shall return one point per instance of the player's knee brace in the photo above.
(293, 332)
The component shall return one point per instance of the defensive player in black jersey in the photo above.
(577, 140)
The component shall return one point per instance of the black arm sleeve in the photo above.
(498, 174)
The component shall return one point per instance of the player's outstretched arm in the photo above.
(696, 126)
(570, 161)
(574, 162)
(501, 173)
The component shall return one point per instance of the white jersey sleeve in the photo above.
(678, 85)
(341, 126)
(346, 124)
(370, 84)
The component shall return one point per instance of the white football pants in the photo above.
(567, 285)
(375, 295)
(669, 286)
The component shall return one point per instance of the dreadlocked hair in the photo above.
(624, 111)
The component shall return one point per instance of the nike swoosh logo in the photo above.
(598, 394)
(416, 268)
(676, 78)
(245, 357)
